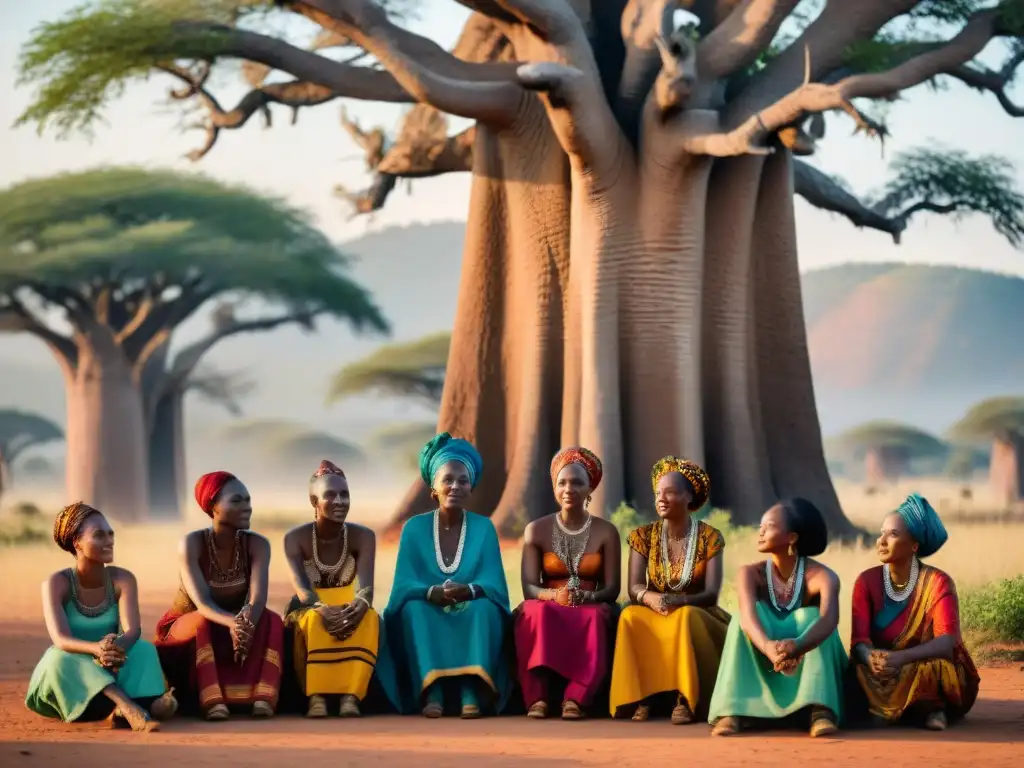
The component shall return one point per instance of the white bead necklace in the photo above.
(793, 587)
(899, 596)
(686, 573)
(565, 529)
(448, 569)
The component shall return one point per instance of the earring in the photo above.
(433, 494)
(791, 550)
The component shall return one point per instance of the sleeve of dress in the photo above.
(490, 576)
(860, 623)
(715, 542)
(639, 540)
(409, 583)
(946, 610)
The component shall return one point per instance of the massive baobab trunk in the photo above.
(166, 456)
(1006, 470)
(884, 465)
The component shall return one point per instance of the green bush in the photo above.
(626, 519)
(995, 612)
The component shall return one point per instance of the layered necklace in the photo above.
(900, 595)
(329, 572)
(788, 593)
(91, 611)
(235, 575)
(569, 546)
(457, 561)
(686, 572)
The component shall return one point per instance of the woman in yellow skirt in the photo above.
(334, 627)
(669, 641)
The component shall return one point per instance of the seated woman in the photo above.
(783, 655)
(447, 616)
(669, 642)
(909, 657)
(571, 574)
(335, 628)
(97, 663)
(218, 643)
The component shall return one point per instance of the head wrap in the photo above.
(694, 474)
(68, 521)
(924, 524)
(326, 468)
(804, 519)
(577, 455)
(209, 486)
(444, 448)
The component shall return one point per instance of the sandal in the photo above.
(538, 710)
(349, 706)
(681, 713)
(165, 707)
(572, 711)
(642, 713)
(470, 712)
(262, 709)
(317, 706)
(823, 722)
(433, 710)
(217, 712)
(936, 721)
(726, 726)
(138, 720)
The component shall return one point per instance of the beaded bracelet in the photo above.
(640, 596)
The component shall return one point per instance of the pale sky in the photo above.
(303, 162)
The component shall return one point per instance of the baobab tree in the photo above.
(999, 420)
(104, 266)
(630, 276)
(887, 449)
(20, 431)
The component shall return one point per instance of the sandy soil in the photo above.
(993, 735)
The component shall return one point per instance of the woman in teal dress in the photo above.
(97, 662)
(447, 618)
(782, 654)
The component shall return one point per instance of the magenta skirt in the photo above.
(572, 643)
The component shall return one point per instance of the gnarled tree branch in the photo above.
(16, 317)
(737, 42)
(995, 82)
(821, 191)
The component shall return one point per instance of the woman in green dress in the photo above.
(97, 662)
(783, 655)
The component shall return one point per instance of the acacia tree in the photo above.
(887, 448)
(104, 266)
(20, 431)
(413, 370)
(1001, 420)
(630, 277)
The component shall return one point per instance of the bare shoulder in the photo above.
(820, 575)
(298, 534)
(536, 529)
(58, 583)
(749, 572)
(258, 543)
(360, 535)
(191, 541)
(121, 577)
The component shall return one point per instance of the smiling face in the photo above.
(233, 507)
(673, 496)
(774, 535)
(895, 544)
(95, 539)
(452, 486)
(331, 499)
(572, 487)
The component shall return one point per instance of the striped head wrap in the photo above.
(208, 488)
(443, 448)
(577, 455)
(694, 474)
(68, 522)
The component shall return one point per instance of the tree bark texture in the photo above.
(1006, 470)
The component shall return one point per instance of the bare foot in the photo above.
(642, 713)
(349, 706)
(317, 706)
(571, 711)
(936, 721)
(138, 719)
(726, 726)
(262, 709)
(681, 713)
(538, 710)
(433, 710)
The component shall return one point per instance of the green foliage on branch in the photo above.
(413, 369)
(20, 430)
(991, 418)
(890, 436)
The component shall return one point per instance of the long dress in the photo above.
(197, 654)
(680, 652)
(425, 643)
(932, 611)
(749, 687)
(64, 684)
(323, 664)
(571, 642)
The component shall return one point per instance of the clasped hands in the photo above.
(109, 654)
(341, 621)
(884, 665)
(450, 593)
(571, 597)
(241, 634)
(784, 655)
(663, 603)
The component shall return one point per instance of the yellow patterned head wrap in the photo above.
(694, 474)
(68, 521)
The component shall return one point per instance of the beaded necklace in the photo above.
(457, 561)
(899, 596)
(91, 611)
(569, 546)
(235, 575)
(686, 572)
(790, 591)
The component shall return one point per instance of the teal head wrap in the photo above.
(444, 448)
(924, 524)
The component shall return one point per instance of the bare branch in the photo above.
(821, 191)
(996, 82)
(16, 317)
(643, 22)
(224, 388)
(475, 91)
(737, 42)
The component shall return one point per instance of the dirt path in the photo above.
(993, 736)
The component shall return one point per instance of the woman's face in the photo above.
(774, 534)
(452, 486)
(672, 498)
(95, 539)
(572, 487)
(895, 544)
(332, 501)
(233, 507)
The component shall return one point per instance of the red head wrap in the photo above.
(328, 468)
(209, 486)
(576, 455)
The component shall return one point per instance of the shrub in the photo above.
(626, 519)
(995, 613)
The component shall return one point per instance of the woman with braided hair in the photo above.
(219, 645)
(571, 578)
(97, 664)
(669, 641)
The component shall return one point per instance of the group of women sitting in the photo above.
(448, 640)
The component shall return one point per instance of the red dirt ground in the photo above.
(991, 737)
